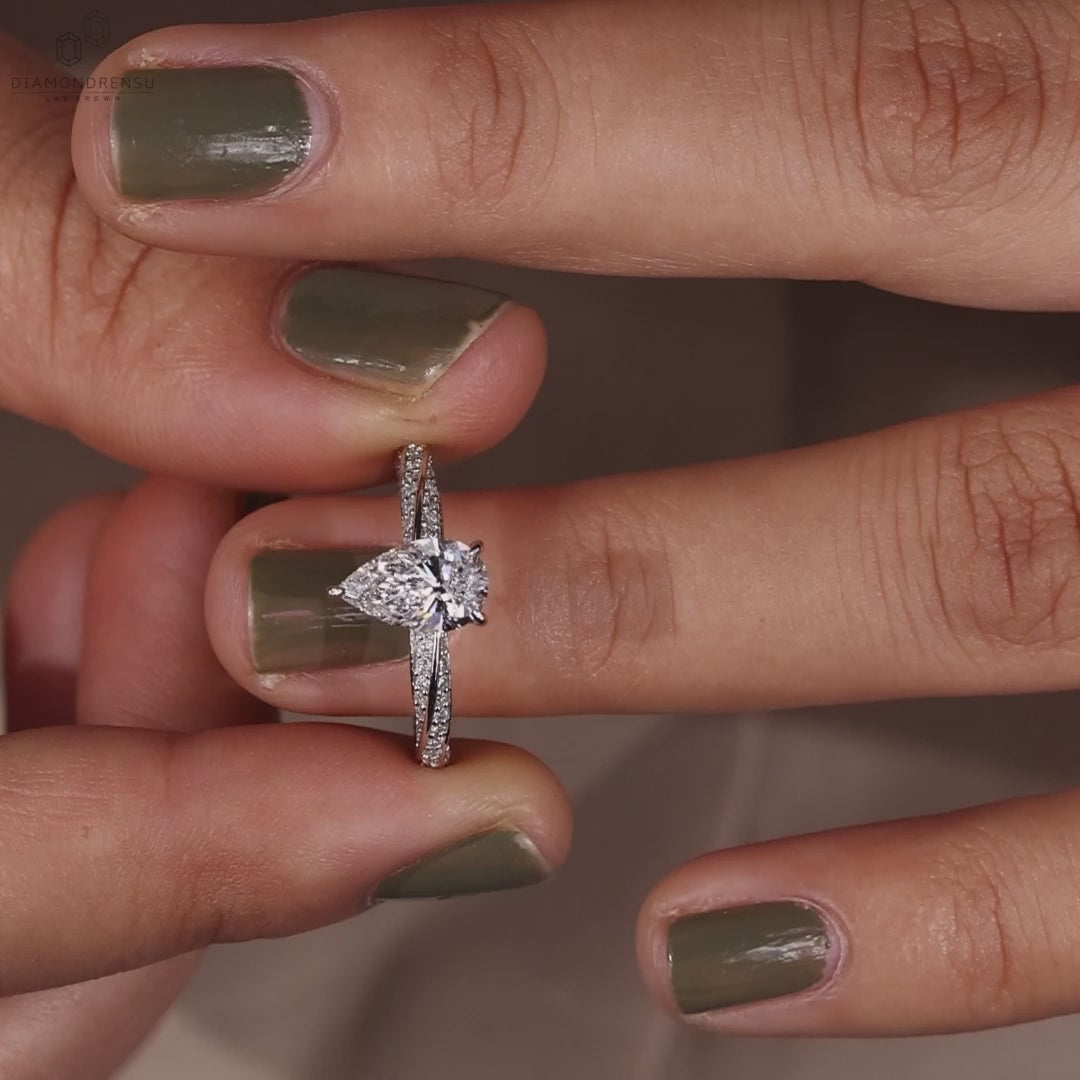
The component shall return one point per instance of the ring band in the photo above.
(430, 585)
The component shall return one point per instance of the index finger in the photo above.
(925, 147)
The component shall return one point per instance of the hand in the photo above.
(143, 823)
(175, 363)
(925, 148)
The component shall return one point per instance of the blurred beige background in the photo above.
(543, 983)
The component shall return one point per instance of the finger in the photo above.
(941, 924)
(147, 661)
(127, 846)
(249, 373)
(88, 1029)
(107, 597)
(61, 1032)
(926, 148)
(938, 557)
(43, 614)
(109, 815)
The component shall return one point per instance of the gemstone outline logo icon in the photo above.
(68, 48)
(96, 27)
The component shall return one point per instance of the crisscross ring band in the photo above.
(430, 585)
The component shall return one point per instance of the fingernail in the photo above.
(387, 330)
(196, 133)
(296, 625)
(488, 862)
(740, 955)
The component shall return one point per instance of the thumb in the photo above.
(124, 847)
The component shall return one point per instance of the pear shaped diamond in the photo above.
(424, 585)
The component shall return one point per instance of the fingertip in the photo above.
(91, 144)
(530, 796)
(136, 85)
(495, 381)
(651, 947)
(352, 810)
(318, 819)
(726, 944)
(227, 598)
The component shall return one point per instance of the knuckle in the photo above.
(615, 595)
(987, 528)
(493, 116)
(1013, 480)
(217, 892)
(985, 925)
(962, 100)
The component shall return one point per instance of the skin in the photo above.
(928, 153)
(121, 821)
(173, 363)
(923, 148)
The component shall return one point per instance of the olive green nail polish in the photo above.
(196, 133)
(745, 954)
(488, 862)
(295, 625)
(383, 329)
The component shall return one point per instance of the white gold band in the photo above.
(429, 649)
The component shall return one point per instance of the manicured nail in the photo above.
(197, 133)
(294, 623)
(488, 862)
(387, 330)
(745, 954)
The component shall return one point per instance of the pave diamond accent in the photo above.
(431, 703)
(426, 585)
(416, 475)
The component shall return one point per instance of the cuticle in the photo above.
(279, 298)
(324, 118)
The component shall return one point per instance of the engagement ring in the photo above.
(429, 585)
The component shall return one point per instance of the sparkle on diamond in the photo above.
(423, 585)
